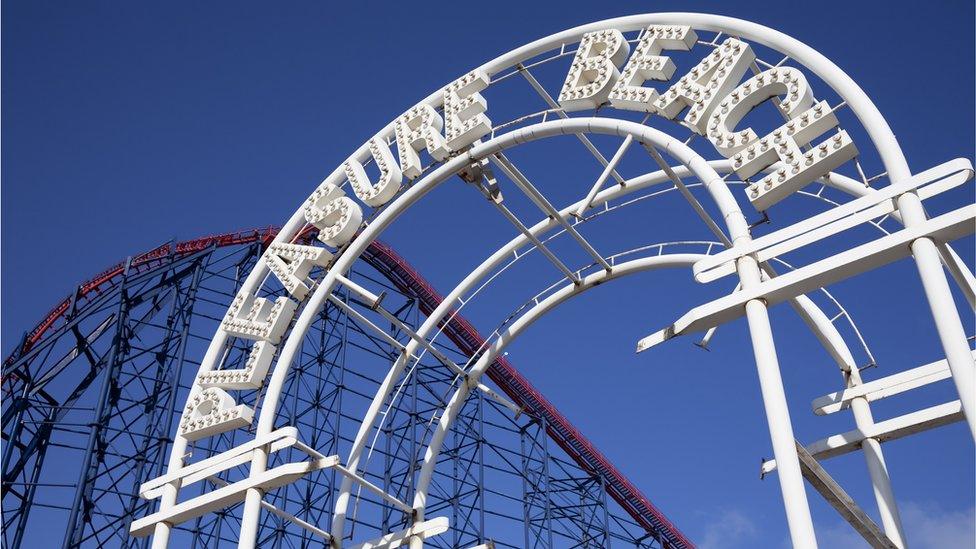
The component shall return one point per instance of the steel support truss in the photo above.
(92, 395)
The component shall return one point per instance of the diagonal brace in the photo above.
(543, 203)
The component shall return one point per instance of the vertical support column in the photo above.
(161, 534)
(877, 469)
(340, 388)
(385, 526)
(169, 369)
(525, 487)
(543, 433)
(177, 373)
(416, 542)
(336, 376)
(536, 482)
(944, 312)
(28, 501)
(99, 419)
(413, 414)
(777, 412)
(606, 511)
(252, 505)
(455, 497)
(483, 537)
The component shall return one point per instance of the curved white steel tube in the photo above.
(863, 108)
(791, 481)
(805, 307)
(712, 181)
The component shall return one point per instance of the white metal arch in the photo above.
(778, 416)
(791, 481)
(925, 250)
(693, 163)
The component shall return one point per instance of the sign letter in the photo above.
(390, 176)
(647, 63)
(212, 411)
(249, 377)
(706, 84)
(336, 215)
(419, 128)
(594, 70)
(464, 110)
(750, 155)
(291, 263)
(257, 318)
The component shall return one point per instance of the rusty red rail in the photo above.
(141, 263)
(458, 330)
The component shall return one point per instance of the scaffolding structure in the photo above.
(92, 395)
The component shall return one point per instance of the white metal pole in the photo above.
(960, 272)
(160, 538)
(777, 413)
(251, 515)
(877, 469)
(947, 321)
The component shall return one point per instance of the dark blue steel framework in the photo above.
(93, 393)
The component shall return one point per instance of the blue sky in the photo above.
(127, 125)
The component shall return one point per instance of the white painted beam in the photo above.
(425, 529)
(883, 388)
(278, 439)
(376, 490)
(846, 264)
(369, 298)
(229, 495)
(428, 346)
(895, 428)
(283, 514)
(835, 220)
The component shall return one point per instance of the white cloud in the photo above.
(729, 528)
(927, 526)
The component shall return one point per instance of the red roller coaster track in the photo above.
(458, 330)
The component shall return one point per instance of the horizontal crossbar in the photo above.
(231, 494)
(426, 529)
(278, 439)
(891, 429)
(846, 216)
(844, 265)
(884, 387)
